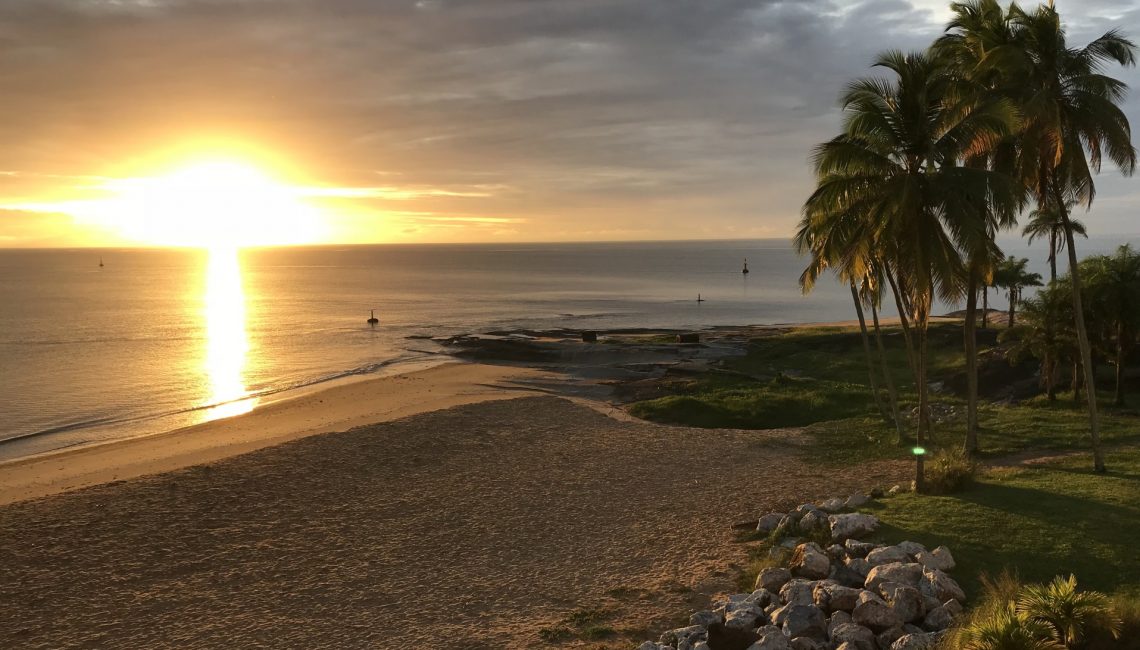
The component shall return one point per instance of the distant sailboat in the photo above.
(100, 261)
(745, 271)
(699, 298)
(372, 320)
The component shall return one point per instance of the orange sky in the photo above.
(448, 121)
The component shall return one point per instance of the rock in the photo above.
(649, 645)
(877, 492)
(856, 500)
(874, 613)
(803, 643)
(836, 553)
(905, 600)
(859, 566)
(941, 586)
(769, 522)
(722, 636)
(912, 548)
(856, 524)
(805, 508)
(771, 638)
(937, 619)
(929, 600)
(897, 489)
(886, 638)
(762, 597)
(832, 597)
(954, 607)
(779, 615)
(848, 577)
(809, 561)
(797, 592)
(838, 618)
(832, 505)
(705, 618)
(773, 578)
(914, 642)
(913, 629)
(744, 615)
(680, 635)
(805, 620)
(845, 646)
(887, 555)
(855, 548)
(907, 574)
(813, 521)
(789, 524)
(940, 558)
(858, 636)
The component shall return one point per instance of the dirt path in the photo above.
(474, 527)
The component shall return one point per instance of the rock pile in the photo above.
(849, 595)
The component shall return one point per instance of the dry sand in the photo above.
(477, 526)
(334, 409)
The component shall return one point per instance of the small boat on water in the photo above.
(745, 271)
(100, 261)
(699, 298)
(372, 320)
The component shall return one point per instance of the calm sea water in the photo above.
(158, 339)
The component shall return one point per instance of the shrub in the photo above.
(1053, 616)
(1069, 613)
(949, 470)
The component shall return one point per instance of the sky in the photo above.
(461, 120)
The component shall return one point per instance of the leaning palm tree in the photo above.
(1071, 121)
(896, 169)
(1045, 223)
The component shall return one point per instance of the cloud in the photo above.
(592, 116)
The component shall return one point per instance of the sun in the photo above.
(211, 204)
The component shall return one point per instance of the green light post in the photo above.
(919, 483)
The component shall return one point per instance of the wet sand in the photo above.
(476, 526)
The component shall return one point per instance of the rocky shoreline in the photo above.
(831, 590)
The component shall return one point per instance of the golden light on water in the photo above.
(227, 343)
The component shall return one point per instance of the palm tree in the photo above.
(896, 170)
(1114, 295)
(1005, 628)
(1068, 614)
(1071, 121)
(1046, 223)
(1011, 275)
(975, 26)
(840, 244)
(1046, 333)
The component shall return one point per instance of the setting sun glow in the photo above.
(217, 204)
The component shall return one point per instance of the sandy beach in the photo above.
(476, 523)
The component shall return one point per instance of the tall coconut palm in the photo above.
(1046, 333)
(977, 26)
(1046, 224)
(1071, 121)
(897, 168)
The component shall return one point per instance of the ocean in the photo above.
(157, 339)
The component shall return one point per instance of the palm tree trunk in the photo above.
(1082, 333)
(971, 345)
(1049, 367)
(1053, 255)
(905, 325)
(985, 305)
(1076, 381)
(1012, 305)
(1119, 401)
(923, 389)
(867, 351)
(892, 394)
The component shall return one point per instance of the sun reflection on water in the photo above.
(227, 344)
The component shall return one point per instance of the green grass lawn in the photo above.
(1058, 518)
